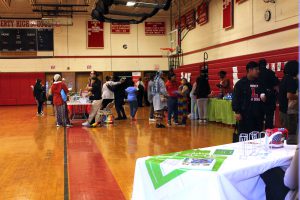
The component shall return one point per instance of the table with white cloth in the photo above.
(231, 178)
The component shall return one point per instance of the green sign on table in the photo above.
(156, 174)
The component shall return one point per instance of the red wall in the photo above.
(240, 62)
(15, 88)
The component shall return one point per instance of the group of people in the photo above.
(255, 97)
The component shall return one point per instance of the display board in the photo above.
(227, 14)
(202, 13)
(19, 39)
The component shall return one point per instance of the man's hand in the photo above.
(263, 97)
(238, 117)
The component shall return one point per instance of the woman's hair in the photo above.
(38, 81)
(107, 78)
(222, 74)
(130, 83)
(184, 79)
(291, 68)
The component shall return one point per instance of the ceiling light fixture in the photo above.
(130, 3)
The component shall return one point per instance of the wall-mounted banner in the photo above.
(227, 14)
(183, 22)
(202, 13)
(240, 1)
(120, 28)
(26, 23)
(190, 19)
(155, 28)
(95, 34)
(136, 76)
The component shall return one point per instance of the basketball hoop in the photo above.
(167, 51)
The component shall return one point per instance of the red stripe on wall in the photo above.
(89, 175)
(243, 39)
(129, 56)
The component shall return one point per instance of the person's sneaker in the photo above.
(200, 121)
(124, 118)
(87, 124)
(69, 125)
(160, 126)
(57, 125)
(181, 125)
(118, 118)
(205, 121)
(152, 120)
(176, 123)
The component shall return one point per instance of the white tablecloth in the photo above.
(236, 179)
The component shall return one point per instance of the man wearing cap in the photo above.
(248, 98)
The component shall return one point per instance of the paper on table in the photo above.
(169, 165)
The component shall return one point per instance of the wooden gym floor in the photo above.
(40, 161)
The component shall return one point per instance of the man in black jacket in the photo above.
(247, 102)
(268, 78)
(120, 95)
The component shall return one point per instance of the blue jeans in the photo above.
(173, 108)
(133, 108)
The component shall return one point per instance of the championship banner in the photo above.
(202, 13)
(120, 28)
(227, 14)
(183, 22)
(155, 28)
(136, 76)
(190, 19)
(95, 34)
(20, 23)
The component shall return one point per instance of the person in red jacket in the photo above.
(62, 118)
(172, 86)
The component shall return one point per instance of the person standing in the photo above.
(141, 91)
(224, 84)
(94, 88)
(159, 93)
(194, 108)
(108, 91)
(146, 80)
(183, 101)
(150, 98)
(132, 99)
(57, 88)
(120, 95)
(202, 93)
(288, 97)
(247, 102)
(39, 93)
(268, 78)
(172, 86)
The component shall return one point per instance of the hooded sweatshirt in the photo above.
(56, 89)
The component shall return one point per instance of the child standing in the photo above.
(132, 99)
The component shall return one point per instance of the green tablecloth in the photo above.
(220, 110)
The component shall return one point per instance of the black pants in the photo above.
(119, 108)
(147, 103)
(274, 180)
(140, 98)
(250, 123)
(40, 106)
(105, 102)
(269, 116)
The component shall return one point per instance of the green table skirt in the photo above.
(220, 110)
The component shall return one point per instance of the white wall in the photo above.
(248, 21)
(71, 41)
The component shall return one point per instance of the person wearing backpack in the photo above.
(59, 91)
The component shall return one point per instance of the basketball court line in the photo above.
(89, 175)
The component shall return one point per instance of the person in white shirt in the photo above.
(108, 91)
